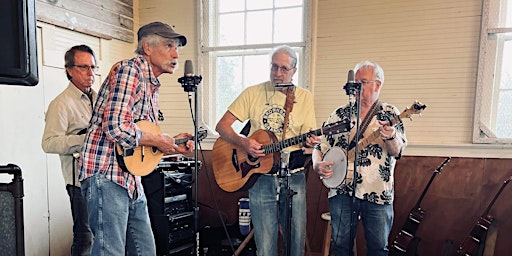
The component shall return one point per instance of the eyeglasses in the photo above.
(364, 82)
(85, 68)
(283, 69)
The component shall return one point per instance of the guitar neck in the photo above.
(363, 143)
(278, 146)
(486, 212)
(437, 171)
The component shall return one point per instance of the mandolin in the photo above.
(142, 160)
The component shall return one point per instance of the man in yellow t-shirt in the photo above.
(263, 106)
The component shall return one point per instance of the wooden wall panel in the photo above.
(456, 198)
(104, 19)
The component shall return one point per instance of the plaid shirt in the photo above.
(128, 94)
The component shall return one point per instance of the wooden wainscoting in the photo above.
(453, 203)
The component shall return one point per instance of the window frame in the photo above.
(207, 67)
(488, 86)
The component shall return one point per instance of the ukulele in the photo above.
(479, 231)
(405, 242)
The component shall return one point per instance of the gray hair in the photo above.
(152, 40)
(288, 51)
(69, 56)
(378, 72)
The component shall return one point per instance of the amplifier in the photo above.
(178, 207)
(176, 198)
(180, 178)
(178, 163)
(180, 219)
(180, 235)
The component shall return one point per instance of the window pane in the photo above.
(504, 118)
(259, 4)
(286, 3)
(288, 25)
(231, 5)
(232, 24)
(229, 83)
(506, 66)
(231, 29)
(259, 27)
(508, 19)
(257, 69)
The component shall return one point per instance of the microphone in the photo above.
(189, 68)
(283, 85)
(351, 87)
(189, 81)
(244, 216)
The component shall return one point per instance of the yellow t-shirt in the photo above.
(264, 107)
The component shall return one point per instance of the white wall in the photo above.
(429, 52)
(47, 216)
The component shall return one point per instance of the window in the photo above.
(493, 118)
(237, 39)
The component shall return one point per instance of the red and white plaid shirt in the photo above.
(128, 94)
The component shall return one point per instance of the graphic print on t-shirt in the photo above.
(273, 119)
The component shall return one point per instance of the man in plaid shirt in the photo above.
(116, 203)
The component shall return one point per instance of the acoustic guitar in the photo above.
(234, 169)
(142, 160)
(337, 155)
(406, 241)
(479, 231)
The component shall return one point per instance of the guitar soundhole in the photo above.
(154, 150)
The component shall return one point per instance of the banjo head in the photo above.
(338, 156)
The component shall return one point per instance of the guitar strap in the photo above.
(367, 119)
(288, 106)
(120, 160)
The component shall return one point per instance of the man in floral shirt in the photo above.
(374, 192)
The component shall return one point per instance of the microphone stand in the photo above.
(351, 90)
(189, 84)
(284, 176)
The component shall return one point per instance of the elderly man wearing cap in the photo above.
(116, 203)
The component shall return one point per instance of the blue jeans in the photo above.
(82, 235)
(266, 211)
(120, 225)
(377, 221)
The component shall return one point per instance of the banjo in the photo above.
(339, 168)
(342, 159)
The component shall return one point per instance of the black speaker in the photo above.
(11, 215)
(18, 43)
